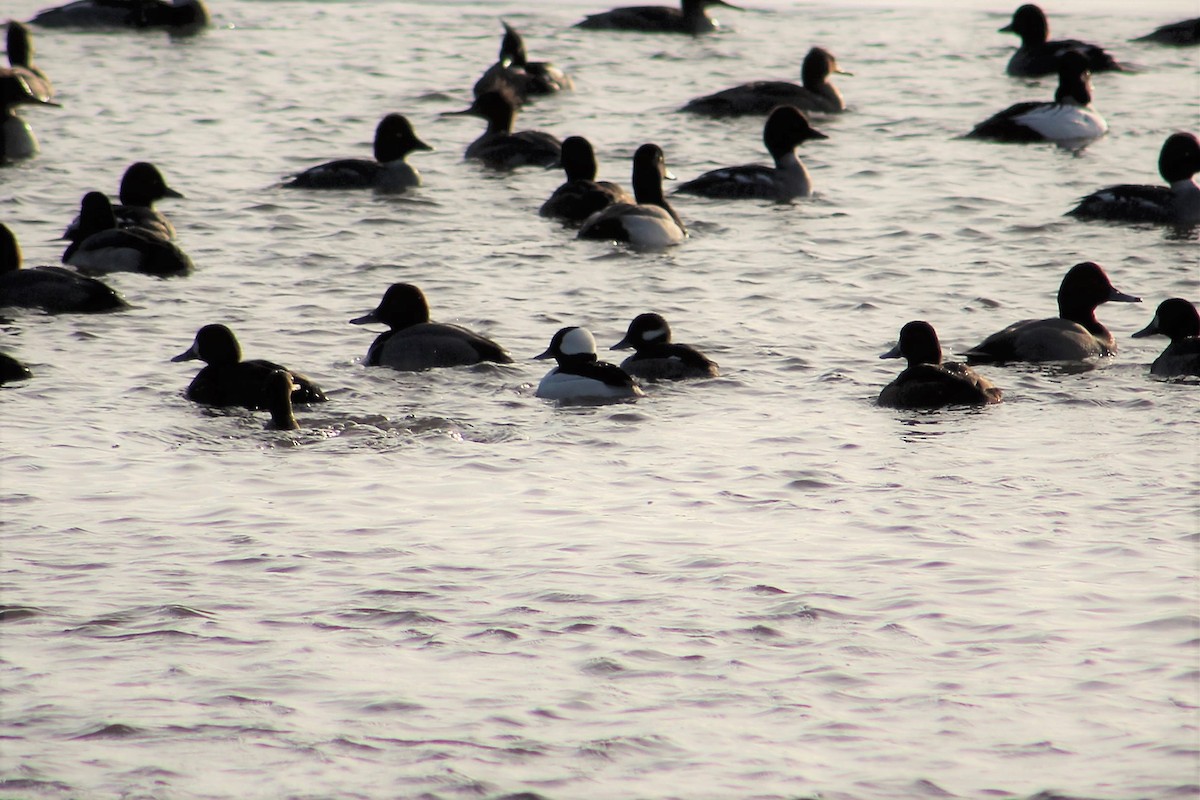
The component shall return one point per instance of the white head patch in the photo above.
(578, 342)
(657, 333)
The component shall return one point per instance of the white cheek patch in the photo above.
(657, 333)
(578, 342)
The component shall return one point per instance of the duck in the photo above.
(524, 78)
(815, 94)
(227, 380)
(17, 140)
(55, 290)
(141, 185)
(1069, 121)
(499, 147)
(784, 131)
(1178, 320)
(12, 370)
(103, 247)
(1184, 33)
(1074, 335)
(691, 18)
(1036, 56)
(19, 42)
(389, 172)
(656, 357)
(414, 343)
(928, 382)
(650, 222)
(1177, 203)
(178, 18)
(278, 391)
(581, 196)
(579, 374)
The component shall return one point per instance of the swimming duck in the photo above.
(579, 375)
(414, 343)
(651, 222)
(16, 137)
(927, 382)
(141, 185)
(103, 247)
(499, 147)
(1037, 56)
(389, 172)
(178, 18)
(522, 77)
(581, 196)
(816, 94)
(1069, 120)
(1177, 203)
(786, 129)
(656, 357)
(279, 389)
(52, 289)
(1178, 34)
(12, 370)
(227, 380)
(690, 17)
(1075, 334)
(1178, 320)
(20, 60)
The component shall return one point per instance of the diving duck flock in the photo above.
(135, 236)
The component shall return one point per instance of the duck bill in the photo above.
(169, 192)
(813, 133)
(893, 353)
(419, 145)
(1149, 330)
(1007, 29)
(366, 319)
(624, 344)
(187, 355)
(723, 4)
(548, 354)
(1120, 297)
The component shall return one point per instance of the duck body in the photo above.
(581, 195)
(52, 289)
(929, 383)
(579, 375)
(499, 147)
(227, 380)
(1184, 33)
(17, 140)
(1074, 335)
(12, 370)
(141, 186)
(650, 222)
(1069, 119)
(1178, 320)
(657, 358)
(102, 247)
(180, 18)
(1038, 56)
(1177, 203)
(816, 94)
(388, 172)
(690, 18)
(515, 72)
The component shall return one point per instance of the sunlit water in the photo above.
(759, 586)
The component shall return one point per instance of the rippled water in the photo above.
(757, 586)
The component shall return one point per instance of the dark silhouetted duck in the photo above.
(785, 129)
(1069, 120)
(816, 94)
(499, 147)
(929, 383)
(227, 380)
(1075, 334)
(1038, 56)
(141, 185)
(103, 247)
(12, 370)
(579, 374)
(651, 222)
(414, 343)
(52, 289)
(690, 17)
(20, 59)
(581, 196)
(1177, 203)
(389, 172)
(1178, 320)
(178, 18)
(656, 357)
(524, 78)
(279, 391)
(1179, 34)
(16, 137)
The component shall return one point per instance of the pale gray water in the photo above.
(759, 586)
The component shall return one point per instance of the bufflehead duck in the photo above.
(1178, 320)
(499, 147)
(141, 185)
(414, 343)
(579, 375)
(927, 382)
(1075, 334)
(389, 172)
(16, 137)
(1179, 34)
(760, 97)
(178, 18)
(20, 59)
(1037, 56)
(103, 247)
(227, 380)
(12, 370)
(786, 129)
(278, 391)
(656, 357)
(52, 289)
(651, 222)
(1069, 120)
(523, 77)
(690, 17)
(1177, 203)
(581, 196)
